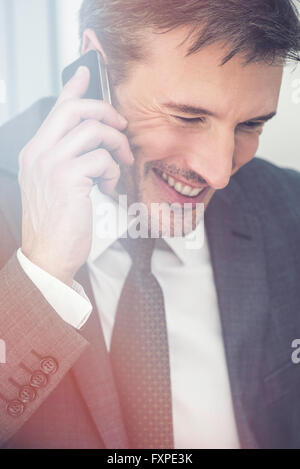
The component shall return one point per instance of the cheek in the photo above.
(245, 148)
(157, 143)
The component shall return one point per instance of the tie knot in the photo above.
(140, 251)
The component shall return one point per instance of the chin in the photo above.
(165, 219)
(167, 213)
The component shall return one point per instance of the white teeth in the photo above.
(187, 190)
(180, 188)
(195, 192)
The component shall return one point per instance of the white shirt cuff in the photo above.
(70, 303)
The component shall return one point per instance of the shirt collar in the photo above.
(110, 222)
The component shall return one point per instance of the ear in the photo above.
(91, 42)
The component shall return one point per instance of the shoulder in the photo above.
(15, 133)
(263, 171)
(271, 196)
(266, 186)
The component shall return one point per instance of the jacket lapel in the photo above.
(95, 380)
(236, 247)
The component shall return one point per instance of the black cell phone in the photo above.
(99, 87)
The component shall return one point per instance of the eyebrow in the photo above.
(195, 111)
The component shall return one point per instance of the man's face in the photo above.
(180, 150)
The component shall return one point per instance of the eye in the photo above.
(252, 125)
(190, 120)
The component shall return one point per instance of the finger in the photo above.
(76, 87)
(68, 116)
(88, 136)
(98, 164)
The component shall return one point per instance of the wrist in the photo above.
(51, 266)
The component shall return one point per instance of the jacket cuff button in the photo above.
(38, 379)
(15, 408)
(49, 365)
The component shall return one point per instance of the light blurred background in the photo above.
(38, 38)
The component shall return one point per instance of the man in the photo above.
(196, 82)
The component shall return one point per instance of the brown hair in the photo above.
(264, 30)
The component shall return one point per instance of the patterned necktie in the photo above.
(140, 355)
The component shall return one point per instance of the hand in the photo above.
(56, 167)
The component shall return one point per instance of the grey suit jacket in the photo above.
(253, 229)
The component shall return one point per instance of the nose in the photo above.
(212, 157)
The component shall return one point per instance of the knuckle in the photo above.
(67, 107)
(103, 154)
(92, 125)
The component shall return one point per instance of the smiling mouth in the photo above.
(179, 187)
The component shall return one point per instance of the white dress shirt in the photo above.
(203, 415)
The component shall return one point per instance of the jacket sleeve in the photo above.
(70, 302)
(37, 348)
